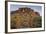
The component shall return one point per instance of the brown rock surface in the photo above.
(23, 18)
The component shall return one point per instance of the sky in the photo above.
(14, 7)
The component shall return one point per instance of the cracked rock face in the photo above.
(22, 18)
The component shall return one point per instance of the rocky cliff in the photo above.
(24, 18)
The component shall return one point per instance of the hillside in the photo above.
(25, 18)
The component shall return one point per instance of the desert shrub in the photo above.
(37, 21)
(13, 22)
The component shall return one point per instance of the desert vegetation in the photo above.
(25, 18)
